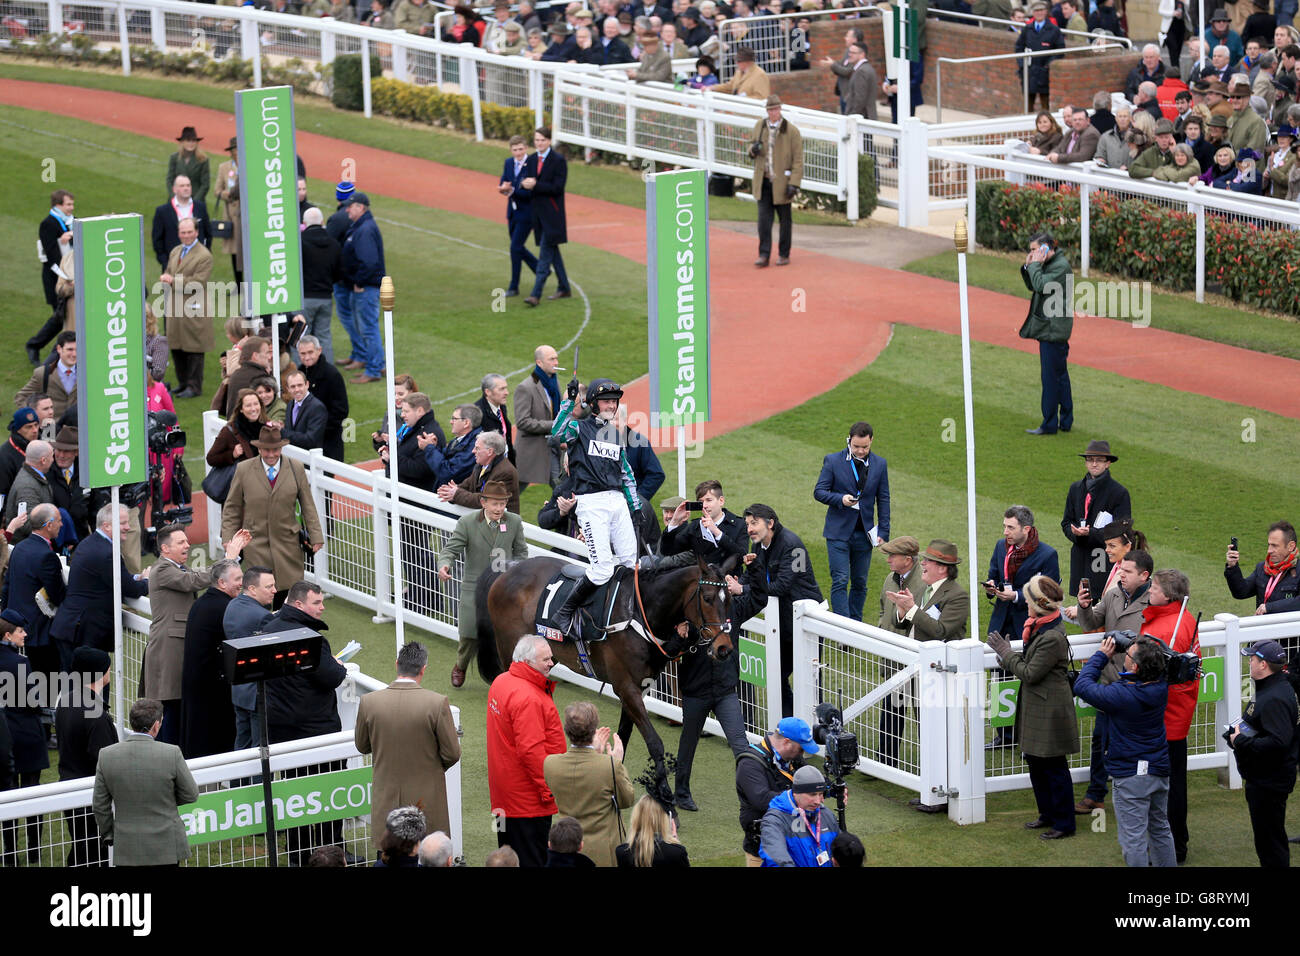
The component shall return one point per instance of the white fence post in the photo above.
(913, 174)
(399, 63)
(537, 96)
(849, 138)
(965, 709)
(471, 66)
(807, 664)
(55, 19)
(971, 206)
(365, 78)
(772, 644)
(327, 49)
(250, 48)
(1085, 228)
(1200, 249)
(933, 743)
(1232, 703)
(380, 525)
(158, 29)
(212, 424)
(124, 38)
(315, 472)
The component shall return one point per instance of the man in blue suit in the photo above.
(1016, 559)
(545, 175)
(519, 211)
(34, 566)
(854, 486)
(85, 618)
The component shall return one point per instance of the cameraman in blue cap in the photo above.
(764, 771)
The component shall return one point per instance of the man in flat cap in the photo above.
(904, 575)
(776, 147)
(943, 610)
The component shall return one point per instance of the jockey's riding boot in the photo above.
(563, 618)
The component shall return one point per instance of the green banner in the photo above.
(111, 401)
(1002, 694)
(753, 662)
(225, 814)
(268, 199)
(677, 247)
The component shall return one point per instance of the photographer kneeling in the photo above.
(1137, 753)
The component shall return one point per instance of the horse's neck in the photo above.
(662, 602)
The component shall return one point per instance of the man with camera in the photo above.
(764, 771)
(1276, 581)
(1137, 751)
(797, 828)
(776, 147)
(1265, 742)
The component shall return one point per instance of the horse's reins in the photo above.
(718, 627)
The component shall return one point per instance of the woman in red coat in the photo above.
(1168, 619)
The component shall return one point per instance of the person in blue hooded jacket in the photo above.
(1137, 752)
(797, 829)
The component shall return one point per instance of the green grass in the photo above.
(618, 184)
(1216, 320)
(1194, 481)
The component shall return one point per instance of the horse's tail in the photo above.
(489, 659)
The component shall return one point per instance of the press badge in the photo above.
(1142, 768)
(823, 858)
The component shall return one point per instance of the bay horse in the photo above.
(506, 602)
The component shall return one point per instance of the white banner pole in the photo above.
(387, 299)
(119, 666)
(969, 403)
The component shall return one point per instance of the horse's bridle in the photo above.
(709, 630)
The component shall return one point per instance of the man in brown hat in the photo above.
(943, 610)
(749, 80)
(485, 538)
(65, 484)
(261, 498)
(1160, 153)
(189, 161)
(904, 575)
(1093, 502)
(1216, 132)
(1246, 129)
(1216, 98)
(776, 147)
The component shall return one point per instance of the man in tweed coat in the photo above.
(139, 783)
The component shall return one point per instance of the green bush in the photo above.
(1139, 239)
(868, 193)
(348, 94)
(428, 104)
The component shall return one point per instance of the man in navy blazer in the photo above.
(167, 218)
(519, 211)
(34, 565)
(545, 174)
(85, 618)
(305, 418)
(854, 487)
(1019, 544)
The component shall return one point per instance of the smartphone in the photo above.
(694, 505)
(22, 508)
(989, 585)
(1232, 543)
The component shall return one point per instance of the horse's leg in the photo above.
(634, 708)
(624, 726)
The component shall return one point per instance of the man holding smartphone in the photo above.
(854, 486)
(1047, 274)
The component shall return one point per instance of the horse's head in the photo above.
(705, 604)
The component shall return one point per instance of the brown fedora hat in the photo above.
(1217, 86)
(1099, 448)
(495, 489)
(942, 552)
(66, 440)
(1240, 89)
(269, 438)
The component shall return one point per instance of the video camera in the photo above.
(163, 438)
(1179, 668)
(839, 751)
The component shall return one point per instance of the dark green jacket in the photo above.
(1051, 310)
(195, 167)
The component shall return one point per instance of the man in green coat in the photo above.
(1155, 157)
(189, 161)
(1048, 276)
(485, 538)
(1246, 130)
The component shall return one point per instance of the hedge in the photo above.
(427, 104)
(347, 93)
(1139, 239)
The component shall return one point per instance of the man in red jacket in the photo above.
(523, 729)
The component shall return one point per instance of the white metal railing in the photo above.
(776, 39)
(923, 711)
(52, 831)
(356, 508)
(1198, 201)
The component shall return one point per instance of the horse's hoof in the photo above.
(457, 677)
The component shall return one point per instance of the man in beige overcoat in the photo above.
(776, 147)
(262, 498)
(173, 587)
(588, 780)
(413, 738)
(185, 304)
